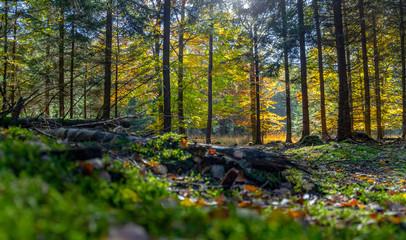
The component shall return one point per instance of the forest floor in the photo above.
(354, 191)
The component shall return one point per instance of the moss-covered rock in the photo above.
(310, 140)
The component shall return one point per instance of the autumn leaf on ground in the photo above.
(187, 203)
(350, 204)
(296, 214)
(250, 188)
(183, 143)
(211, 151)
(222, 199)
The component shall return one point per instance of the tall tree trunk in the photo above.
(209, 87)
(377, 82)
(181, 69)
(116, 78)
(348, 61)
(367, 113)
(287, 79)
(72, 68)
(14, 68)
(257, 87)
(403, 60)
(324, 133)
(303, 71)
(166, 67)
(344, 124)
(252, 94)
(158, 69)
(107, 63)
(4, 87)
(47, 77)
(61, 80)
(85, 95)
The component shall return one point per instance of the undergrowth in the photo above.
(46, 197)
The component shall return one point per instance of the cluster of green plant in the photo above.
(334, 151)
(163, 149)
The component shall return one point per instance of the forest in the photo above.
(202, 119)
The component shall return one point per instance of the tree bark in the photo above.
(287, 78)
(252, 94)
(324, 133)
(349, 73)
(166, 68)
(181, 69)
(377, 82)
(4, 88)
(209, 87)
(107, 63)
(72, 69)
(47, 77)
(158, 70)
(344, 123)
(14, 67)
(61, 80)
(257, 88)
(85, 95)
(403, 62)
(367, 113)
(116, 78)
(303, 71)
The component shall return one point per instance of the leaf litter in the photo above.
(351, 186)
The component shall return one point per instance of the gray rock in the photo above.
(129, 231)
(217, 171)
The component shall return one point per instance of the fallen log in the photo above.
(253, 164)
(243, 157)
(86, 135)
(56, 122)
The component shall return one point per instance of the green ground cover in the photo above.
(355, 192)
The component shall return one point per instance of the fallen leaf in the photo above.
(222, 199)
(370, 180)
(396, 220)
(183, 143)
(240, 178)
(250, 188)
(187, 203)
(201, 202)
(352, 203)
(391, 192)
(211, 151)
(87, 169)
(373, 215)
(296, 214)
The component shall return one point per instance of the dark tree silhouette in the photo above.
(166, 67)
(344, 123)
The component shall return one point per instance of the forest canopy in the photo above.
(219, 66)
